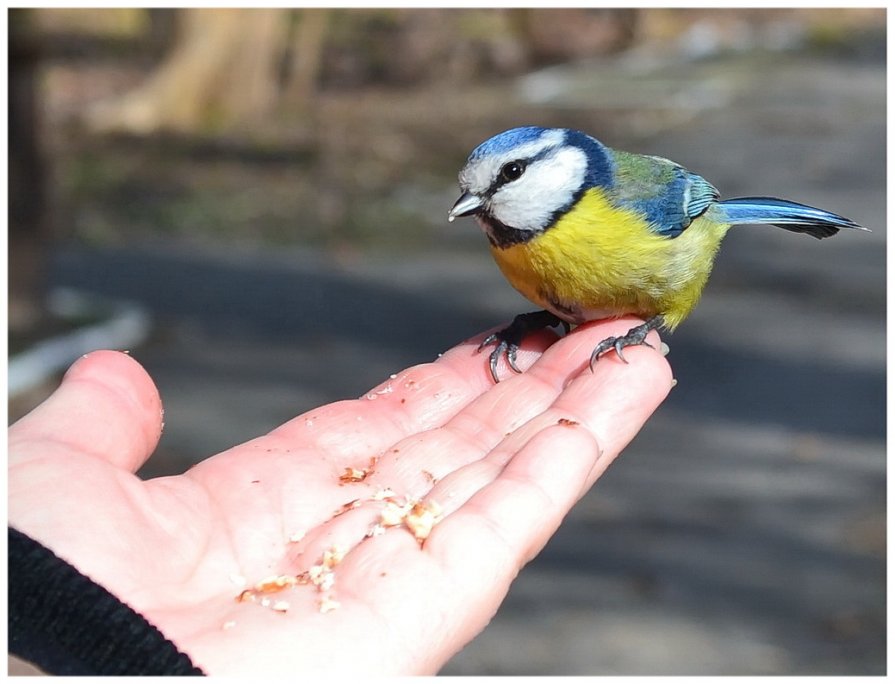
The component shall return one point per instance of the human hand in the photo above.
(504, 464)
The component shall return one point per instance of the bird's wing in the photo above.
(667, 195)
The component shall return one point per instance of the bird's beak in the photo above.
(466, 205)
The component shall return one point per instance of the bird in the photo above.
(588, 232)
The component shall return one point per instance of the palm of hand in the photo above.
(180, 550)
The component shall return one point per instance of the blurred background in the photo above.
(235, 194)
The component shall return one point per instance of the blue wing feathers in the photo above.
(793, 216)
(702, 195)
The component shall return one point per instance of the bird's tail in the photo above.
(799, 218)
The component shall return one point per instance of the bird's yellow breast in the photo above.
(601, 261)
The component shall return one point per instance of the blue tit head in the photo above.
(519, 182)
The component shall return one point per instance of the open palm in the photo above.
(376, 535)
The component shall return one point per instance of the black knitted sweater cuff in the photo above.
(66, 624)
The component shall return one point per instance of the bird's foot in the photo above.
(508, 340)
(635, 337)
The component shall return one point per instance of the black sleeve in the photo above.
(66, 624)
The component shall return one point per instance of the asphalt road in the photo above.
(743, 532)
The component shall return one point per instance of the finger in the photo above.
(517, 405)
(613, 400)
(525, 504)
(410, 402)
(612, 403)
(482, 546)
(616, 399)
(106, 406)
(509, 506)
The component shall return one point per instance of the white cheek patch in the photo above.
(547, 185)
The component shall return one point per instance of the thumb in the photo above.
(107, 406)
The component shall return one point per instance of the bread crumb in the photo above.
(393, 513)
(383, 493)
(421, 518)
(333, 556)
(353, 475)
(327, 604)
(245, 595)
(275, 583)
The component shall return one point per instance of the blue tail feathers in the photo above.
(799, 218)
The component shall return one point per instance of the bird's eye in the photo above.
(512, 170)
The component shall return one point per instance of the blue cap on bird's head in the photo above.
(508, 140)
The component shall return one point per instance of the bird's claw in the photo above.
(511, 350)
(616, 343)
(503, 348)
(488, 340)
(509, 339)
(635, 337)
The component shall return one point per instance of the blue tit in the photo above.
(587, 232)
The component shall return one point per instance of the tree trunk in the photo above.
(222, 71)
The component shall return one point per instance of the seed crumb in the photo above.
(421, 518)
(328, 604)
